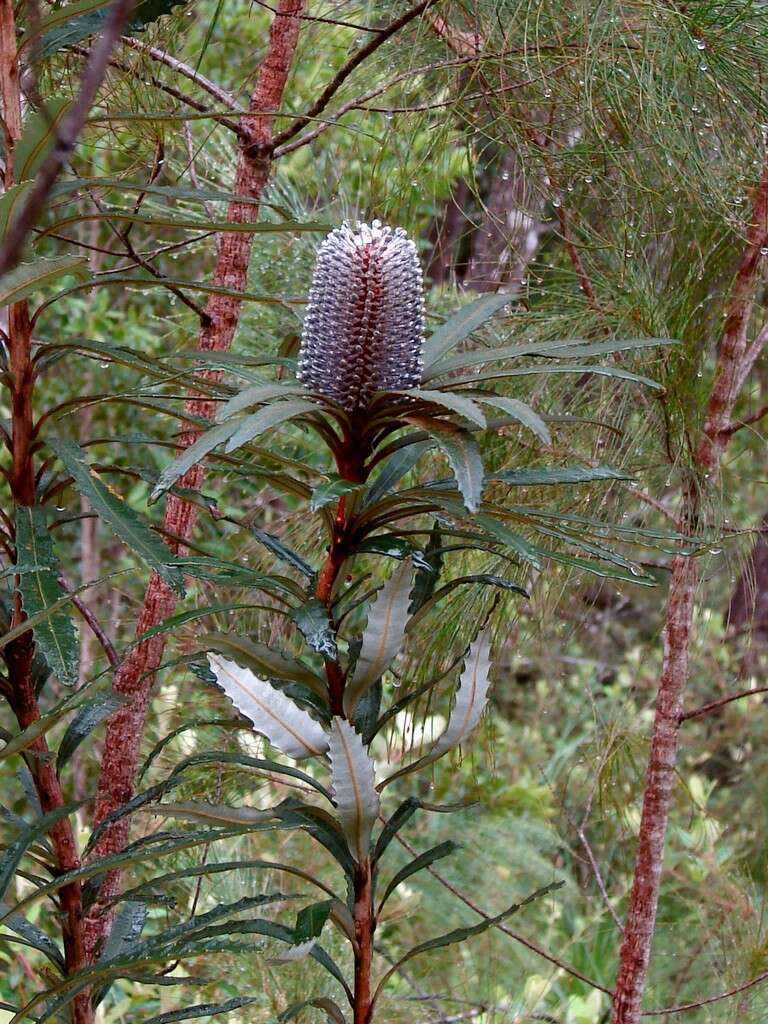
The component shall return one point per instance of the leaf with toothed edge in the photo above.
(286, 726)
(354, 787)
(383, 634)
(470, 702)
(463, 455)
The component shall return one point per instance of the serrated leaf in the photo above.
(522, 413)
(383, 634)
(124, 522)
(190, 457)
(463, 455)
(353, 786)
(91, 715)
(28, 278)
(259, 394)
(460, 404)
(37, 138)
(460, 326)
(326, 494)
(262, 659)
(39, 586)
(562, 475)
(471, 697)
(267, 418)
(315, 625)
(468, 707)
(274, 715)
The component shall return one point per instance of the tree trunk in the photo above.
(136, 676)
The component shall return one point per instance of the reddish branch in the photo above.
(135, 678)
(19, 653)
(735, 358)
(67, 135)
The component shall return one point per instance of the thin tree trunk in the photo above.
(735, 360)
(136, 676)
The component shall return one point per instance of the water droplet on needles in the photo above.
(700, 44)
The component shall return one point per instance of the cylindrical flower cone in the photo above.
(364, 328)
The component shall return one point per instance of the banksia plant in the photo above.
(383, 402)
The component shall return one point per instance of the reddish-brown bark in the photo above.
(136, 676)
(735, 358)
(19, 654)
(364, 929)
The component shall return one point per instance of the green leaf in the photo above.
(119, 517)
(259, 394)
(267, 418)
(522, 413)
(394, 469)
(315, 625)
(74, 22)
(190, 457)
(327, 494)
(509, 538)
(311, 920)
(332, 1011)
(32, 936)
(483, 578)
(527, 371)
(37, 138)
(211, 814)
(263, 660)
(563, 475)
(11, 204)
(383, 634)
(573, 348)
(463, 455)
(460, 326)
(353, 786)
(398, 820)
(14, 851)
(92, 714)
(387, 544)
(202, 1010)
(457, 403)
(184, 222)
(424, 860)
(172, 623)
(40, 588)
(461, 934)
(28, 278)
(284, 553)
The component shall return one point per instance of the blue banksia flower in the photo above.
(364, 328)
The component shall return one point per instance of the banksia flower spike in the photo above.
(364, 328)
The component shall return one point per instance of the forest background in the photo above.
(601, 166)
